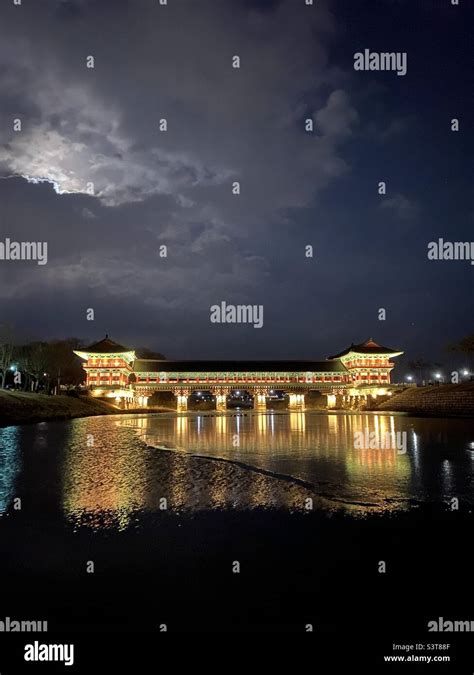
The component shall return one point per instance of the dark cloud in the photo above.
(101, 126)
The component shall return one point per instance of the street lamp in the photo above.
(409, 378)
(465, 372)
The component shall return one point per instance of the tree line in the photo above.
(39, 365)
(424, 369)
(44, 365)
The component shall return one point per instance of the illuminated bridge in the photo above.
(114, 371)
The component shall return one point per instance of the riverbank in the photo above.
(446, 400)
(18, 407)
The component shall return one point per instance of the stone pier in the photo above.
(260, 400)
(182, 396)
(331, 401)
(296, 402)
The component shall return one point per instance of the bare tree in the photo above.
(6, 351)
(464, 346)
(36, 360)
(421, 368)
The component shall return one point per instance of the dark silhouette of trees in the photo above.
(464, 346)
(49, 364)
(6, 351)
(421, 368)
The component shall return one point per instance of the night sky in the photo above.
(298, 188)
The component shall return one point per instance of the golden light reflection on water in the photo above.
(297, 421)
(298, 443)
(110, 477)
(103, 481)
(387, 464)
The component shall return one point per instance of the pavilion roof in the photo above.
(154, 366)
(105, 346)
(367, 347)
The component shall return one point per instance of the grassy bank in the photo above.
(447, 400)
(450, 400)
(18, 407)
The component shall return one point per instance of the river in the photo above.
(131, 522)
(110, 471)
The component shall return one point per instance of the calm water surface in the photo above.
(111, 471)
(319, 450)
